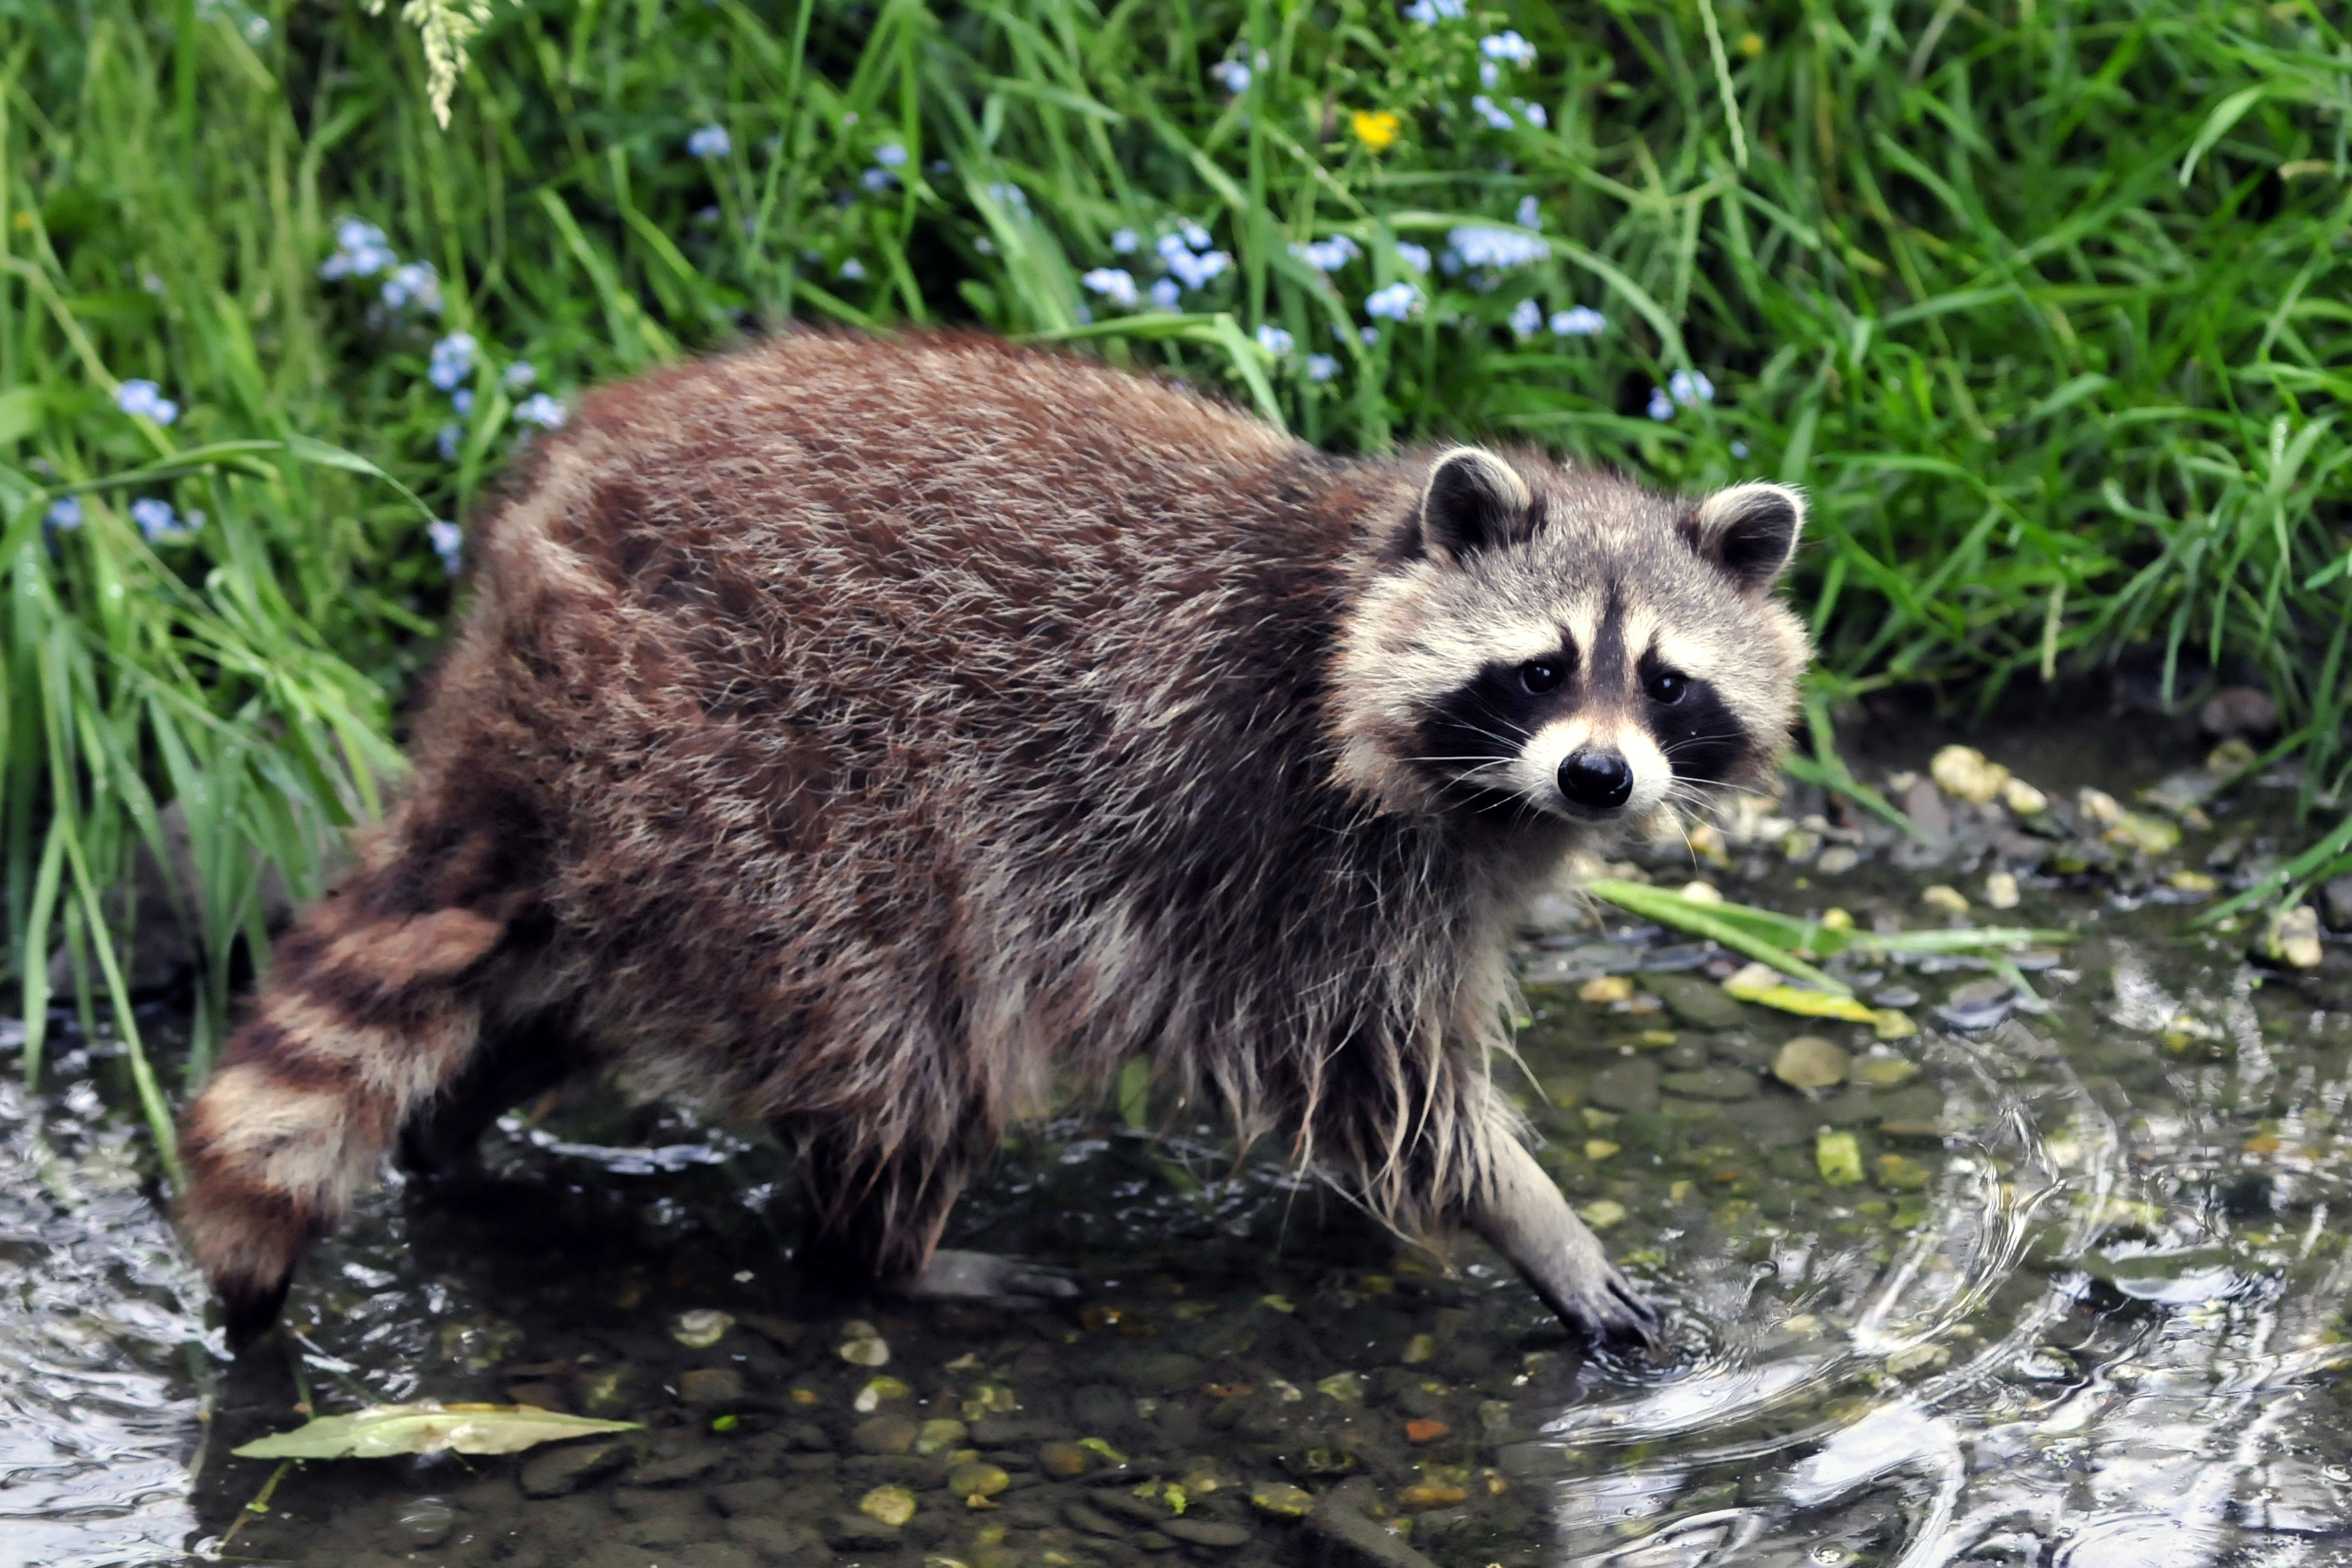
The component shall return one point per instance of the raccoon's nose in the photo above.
(1596, 781)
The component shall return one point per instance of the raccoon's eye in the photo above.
(1538, 676)
(1669, 688)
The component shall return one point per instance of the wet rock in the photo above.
(764, 1494)
(977, 1479)
(941, 1435)
(908, 1470)
(1206, 1533)
(2292, 938)
(1838, 860)
(1100, 1410)
(884, 1435)
(1946, 900)
(1809, 1061)
(1281, 1500)
(1064, 1461)
(553, 1472)
(1630, 1085)
(1979, 1005)
(2336, 903)
(1964, 773)
(893, 1506)
(424, 1522)
(1699, 1003)
(1013, 1431)
(2023, 798)
(856, 1532)
(1161, 1372)
(1085, 1516)
(1884, 1072)
(1923, 803)
(1127, 1505)
(2000, 890)
(1683, 1056)
(862, 1345)
(1894, 997)
(2239, 710)
(540, 1396)
(784, 1336)
(675, 1469)
(1350, 1540)
(779, 1539)
(1711, 1083)
(709, 1385)
(699, 1330)
(806, 1437)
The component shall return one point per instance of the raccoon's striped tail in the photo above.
(361, 1023)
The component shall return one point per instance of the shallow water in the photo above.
(2082, 1309)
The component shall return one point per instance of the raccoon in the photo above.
(869, 737)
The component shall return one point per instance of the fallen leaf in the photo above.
(385, 1431)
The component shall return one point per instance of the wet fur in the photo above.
(868, 738)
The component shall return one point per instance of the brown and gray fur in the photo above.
(867, 737)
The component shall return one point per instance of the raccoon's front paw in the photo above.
(1607, 1309)
(954, 1276)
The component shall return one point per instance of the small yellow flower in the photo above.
(1752, 45)
(1375, 128)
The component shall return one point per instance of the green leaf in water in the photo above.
(1839, 1158)
(383, 1431)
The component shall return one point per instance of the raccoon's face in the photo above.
(1567, 644)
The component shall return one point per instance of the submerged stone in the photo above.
(1630, 1086)
(1809, 1061)
(554, 1472)
(1979, 1005)
(1698, 1003)
(1711, 1083)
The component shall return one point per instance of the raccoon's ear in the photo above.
(1750, 531)
(1473, 501)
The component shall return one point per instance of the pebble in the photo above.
(1162, 1373)
(2000, 890)
(554, 1472)
(709, 1385)
(1809, 1061)
(862, 1345)
(1947, 898)
(1427, 1495)
(1979, 1005)
(1630, 1085)
(1699, 1003)
(424, 1522)
(1603, 1213)
(2147, 834)
(1425, 1431)
(701, 1331)
(2239, 710)
(1064, 1461)
(2023, 798)
(2292, 938)
(1351, 1540)
(1281, 1500)
(1608, 988)
(1884, 1072)
(1083, 1516)
(1206, 1533)
(1964, 773)
(884, 1435)
(940, 1435)
(2336, 902)
(1923, 803)
(1838, 860)
(2098, 808)
(977, 1479)
(893, 1506)
(1711, 1083)
(1344, 1387)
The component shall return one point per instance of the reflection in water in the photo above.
(97, 1414)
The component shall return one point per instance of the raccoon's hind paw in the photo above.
(954, 1276)
(250, 1310)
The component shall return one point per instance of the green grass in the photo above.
(2045, 302)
